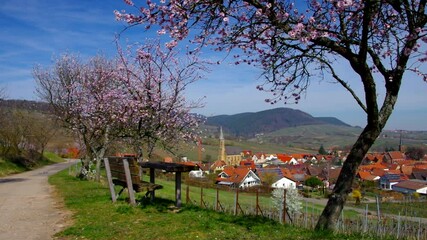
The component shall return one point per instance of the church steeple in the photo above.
(221, 155)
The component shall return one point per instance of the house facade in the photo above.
(238, 177)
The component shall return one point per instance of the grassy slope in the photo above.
(95, 217)
(8, 168)
(312, 136)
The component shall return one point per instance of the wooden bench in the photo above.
(125, 172)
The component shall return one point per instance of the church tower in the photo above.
(221, 155)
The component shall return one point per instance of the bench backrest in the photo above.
(118, 171)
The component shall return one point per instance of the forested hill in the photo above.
(249, 124)
(26, 105)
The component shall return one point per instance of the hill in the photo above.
(250, 124)
(26, 105)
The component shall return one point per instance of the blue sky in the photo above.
(35, 31)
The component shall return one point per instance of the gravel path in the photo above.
(28, 208)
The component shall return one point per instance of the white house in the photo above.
(196, 173)
(240, 177)
(284, 183)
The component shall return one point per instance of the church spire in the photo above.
(221, 155)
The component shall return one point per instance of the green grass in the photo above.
(96, 217)
(227, 198)
(413, 208)
(53, 157)
(7, 167)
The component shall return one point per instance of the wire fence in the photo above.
(365, 222)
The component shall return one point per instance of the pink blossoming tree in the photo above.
(296, 41)
(154, 81)
(137, 98)
(85, 99)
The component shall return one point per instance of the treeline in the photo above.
(25, 130)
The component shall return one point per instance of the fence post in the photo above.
(377, 200)
(365, 226)
(217, 200)
(236, 201)
(187, 199)
(398, 226)
(201, 197)
(257, 203)
(284, 207)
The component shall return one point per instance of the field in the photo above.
(95, 217)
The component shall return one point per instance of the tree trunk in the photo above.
(99, 156)
(330, 215)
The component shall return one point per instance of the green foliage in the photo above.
(415, 153)
(10, 166)
(313, 182)
(322, 150)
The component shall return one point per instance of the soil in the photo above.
(29, 206)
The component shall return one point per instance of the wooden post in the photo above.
(256, 207)
(129, 182)
(284, 207)
(187, 195)
(217, 200)
(236, 201)
(178, 189)
(201, 197)
(152, 180)
(110, 180)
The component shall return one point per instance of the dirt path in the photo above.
(28, 209)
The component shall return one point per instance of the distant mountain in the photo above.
(249, 124)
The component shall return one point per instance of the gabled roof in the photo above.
(314, 171)
(218, 164)
(248, 163)
(333, 173)
(366, 176)
(375, 157)
(188, 163)
(407, 170)
(394, 177)
(395, 155)
(411, 184)
(297, 156)
(378, 172)
(234, 174)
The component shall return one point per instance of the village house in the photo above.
(238, 177)
(394, 157)
(389, 179)
(411, 186)
(277, 177)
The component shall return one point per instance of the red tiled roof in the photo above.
(235, 175)
(218, 164)
(396, 155)
(413, 185)
(188, 163)
(367, 176)
(378, 172)
(284, 158)
(407, 170)
(421, 166)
